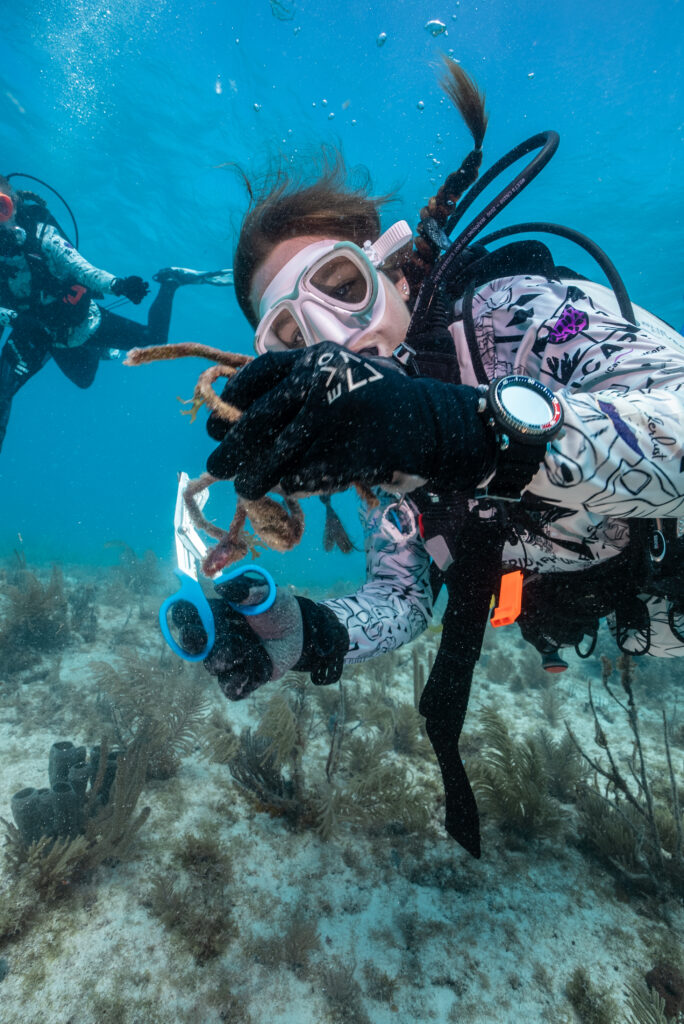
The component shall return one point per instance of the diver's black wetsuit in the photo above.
(46, 290)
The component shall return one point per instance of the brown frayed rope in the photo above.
(279, 526)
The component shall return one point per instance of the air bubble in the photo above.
(381, 40)
(420, 105)
(257, 107)
(530, 74)
(435, 27)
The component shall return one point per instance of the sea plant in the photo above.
(197, 904)
(276, 767)
(220, 743)
(292, 942)
(380, 986)
(83, 611)
(512, 781)
(593, 1005)
(138, 574)
(200, 917)
(342, 992)
(645, 1005)
(628, 820)
(35, 619)
(421, 671)
(162, 702)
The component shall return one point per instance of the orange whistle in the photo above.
(510, 599)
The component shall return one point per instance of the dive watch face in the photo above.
(525, 408)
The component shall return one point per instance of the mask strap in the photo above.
(389, 242)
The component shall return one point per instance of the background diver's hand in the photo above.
(322, 418)
(251, 650)
(132, 288)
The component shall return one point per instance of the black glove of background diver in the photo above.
(322, 418)
(132, 288)
(248, 651)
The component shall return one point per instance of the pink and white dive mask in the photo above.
(330, 291)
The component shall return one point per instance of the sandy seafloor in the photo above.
(494, 940)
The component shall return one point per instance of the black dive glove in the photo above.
(322, 418)
(248, 651)
(132, 288)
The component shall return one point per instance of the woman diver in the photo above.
(516, 416)
(46, 300)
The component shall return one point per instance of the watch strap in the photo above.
(515, 467)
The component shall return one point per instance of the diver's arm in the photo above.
(621, 388)
(621, 455)
(395, 604)
(66, 263)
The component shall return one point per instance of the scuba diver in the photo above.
(517, 418)
(47, 293)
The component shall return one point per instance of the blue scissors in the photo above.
(190, 551)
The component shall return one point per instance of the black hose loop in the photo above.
(606, 264)
(547, 142)
(21, 174)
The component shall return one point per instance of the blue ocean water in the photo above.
(133, 109)
(136, 110)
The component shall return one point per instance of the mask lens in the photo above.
(279, 332)
(286, 330)
(343, 281)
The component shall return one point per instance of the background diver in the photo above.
(380, 365)
(47, 293)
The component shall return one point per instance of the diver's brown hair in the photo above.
(331, 205)
(335, 204)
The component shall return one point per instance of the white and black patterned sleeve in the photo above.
(67, 264)
(395, 604)
(621, 387)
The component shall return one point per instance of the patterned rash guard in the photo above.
(64, 263)
(621, 457)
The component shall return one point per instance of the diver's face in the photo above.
(384, 333)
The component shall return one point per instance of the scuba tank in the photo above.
(71, 300)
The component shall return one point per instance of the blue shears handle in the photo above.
(190, 590)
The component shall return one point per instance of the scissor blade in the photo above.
(190, 548)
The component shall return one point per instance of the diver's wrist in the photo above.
(325, 643)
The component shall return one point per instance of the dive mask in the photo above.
(330, 291)
(6, 208)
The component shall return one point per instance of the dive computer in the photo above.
(524, 415)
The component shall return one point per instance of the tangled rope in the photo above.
(279, 526)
